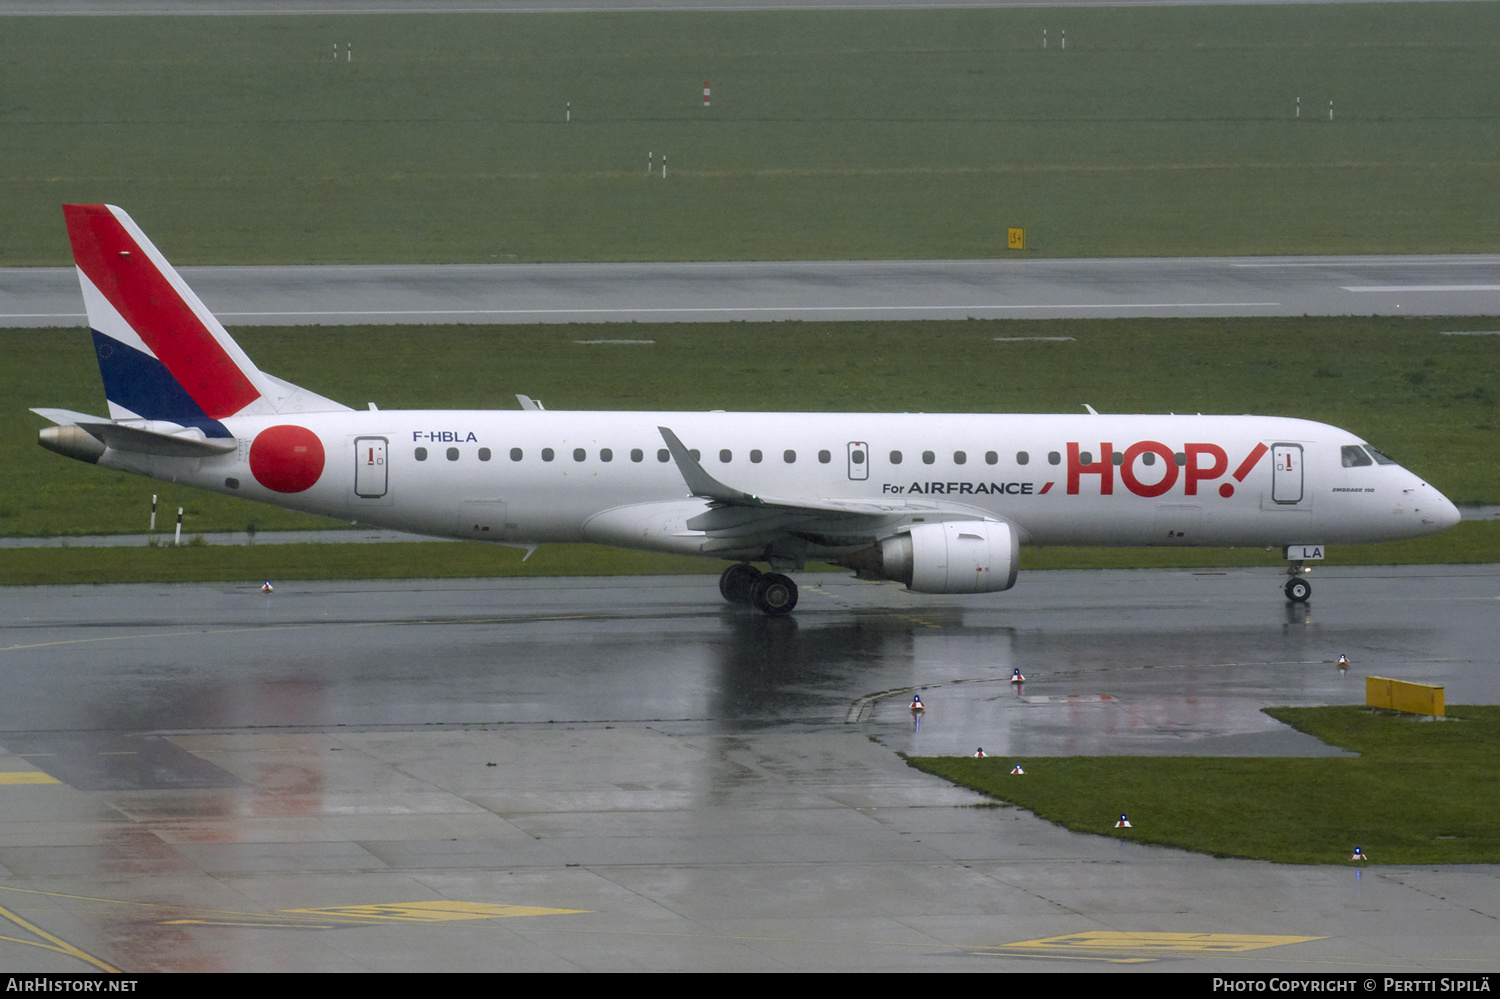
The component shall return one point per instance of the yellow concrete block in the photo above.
(1400, 695)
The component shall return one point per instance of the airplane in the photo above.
(939, 502)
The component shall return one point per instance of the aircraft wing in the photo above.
(737, 519)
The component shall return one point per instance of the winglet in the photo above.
(699, 482)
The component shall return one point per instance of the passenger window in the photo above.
(1179, 459)
(725, 457)
(895, 457)
(789, 456)
(1118, 458)
(755, 457)
(636, 454)
(1354, 456)
(1085, 457)
(605, 454)
(1053, 458)
(1022, 458)
(579, 454)
(697, 455)
(663, 455)
(453, 454)
(1148, 458)
(547, 454)
(824, 457)
(928, 457)
(959, 457)
(515, 454)
(991, 457)
(421, 454)
(484, 454)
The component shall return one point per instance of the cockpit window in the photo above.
(1354, 456)
(1379, 458)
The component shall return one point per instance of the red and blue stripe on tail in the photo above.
(162, 354)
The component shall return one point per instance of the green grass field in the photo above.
(834, 134)
(1419, 792)
(1428, 400)
(1476, 541)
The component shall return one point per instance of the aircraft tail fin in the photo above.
(163, 356)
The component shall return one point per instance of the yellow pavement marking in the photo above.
(438, 911)
(434, 912)
(28, 777)
(869, 582)
(53, 943)
(1112, 945)
(273, 924)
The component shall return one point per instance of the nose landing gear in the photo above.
(1297, 589)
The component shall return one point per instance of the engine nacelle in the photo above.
(961, 556)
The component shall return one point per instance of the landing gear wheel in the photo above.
(775, 594)
(1298, 590)
(737, 583)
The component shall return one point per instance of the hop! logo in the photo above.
(1150, 468)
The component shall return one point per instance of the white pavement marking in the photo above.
(766, 308)
(1478, 260)
(1422, 287)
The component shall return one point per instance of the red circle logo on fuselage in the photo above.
(286, 459)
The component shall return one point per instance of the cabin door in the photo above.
(1286, 474)
(370, 467)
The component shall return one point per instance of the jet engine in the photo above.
(960, 556)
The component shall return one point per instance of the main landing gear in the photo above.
(770, 592)
(1297, 589)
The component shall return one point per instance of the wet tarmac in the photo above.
(606, 774)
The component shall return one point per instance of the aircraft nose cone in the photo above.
(1449, 513)
(1440, 511)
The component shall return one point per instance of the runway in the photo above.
(804, 290)
(608, 774)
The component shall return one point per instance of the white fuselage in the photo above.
(524, 477)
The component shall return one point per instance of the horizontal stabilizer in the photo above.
(125, 438)
(65, 416)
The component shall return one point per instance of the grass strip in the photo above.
(1474, 541)
(402, 560)
(832, 134)
(1420, 792)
